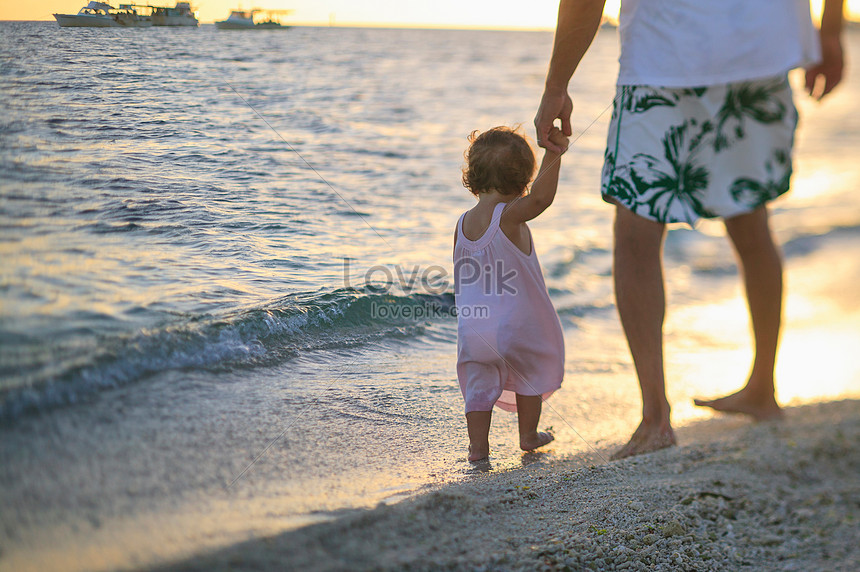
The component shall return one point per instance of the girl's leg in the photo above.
(528, 415)
(478, 425)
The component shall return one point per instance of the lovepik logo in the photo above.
(494, 280)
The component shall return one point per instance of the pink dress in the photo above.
(509, 338)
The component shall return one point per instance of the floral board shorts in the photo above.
(678, 154)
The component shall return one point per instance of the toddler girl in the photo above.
(510, 350)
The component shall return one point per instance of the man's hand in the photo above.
(824, 76)
(555, 104)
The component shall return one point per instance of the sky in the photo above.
(540, 14)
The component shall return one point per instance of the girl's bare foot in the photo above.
(645, 439)
(479, 452)
(478, 424)
(532, 441)
(760, 407)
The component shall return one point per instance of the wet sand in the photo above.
(735, 495)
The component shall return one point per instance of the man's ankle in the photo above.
(659, 418)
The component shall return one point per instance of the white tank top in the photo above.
(688, 43)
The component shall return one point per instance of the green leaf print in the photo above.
(707, 128)
(608, 165)
(613, 186)
(695, 91)
(621, 189)
(753, 193)
(674, 179)
(757, 102)
(640, 99)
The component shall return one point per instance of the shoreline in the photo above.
(776, 495)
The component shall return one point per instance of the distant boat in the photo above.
(93, 15)
(244, 20)
(180, 15)
(127, 16)
(102, 15)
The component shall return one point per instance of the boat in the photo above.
(101, 15)
(93, 15)
(128, 16)
(180, 15)
(244, 20)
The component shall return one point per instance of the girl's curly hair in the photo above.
(499, 159)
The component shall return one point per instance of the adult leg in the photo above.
(641, 303)
(761, 267)
(478, 425)
(528, 417)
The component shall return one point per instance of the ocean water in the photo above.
(226, 275)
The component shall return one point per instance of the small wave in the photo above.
(379, 153)
(574, 258)
(581, 310)
(804, 244)
(799, 245)
(282, 330)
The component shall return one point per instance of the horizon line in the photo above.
(375, 25)
(609, 22)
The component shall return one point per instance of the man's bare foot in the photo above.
(760, 408)
(479, 452)
(645, 439)
(535, 440)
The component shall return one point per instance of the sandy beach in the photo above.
(772, 496)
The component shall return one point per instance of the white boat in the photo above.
(93, 15)
(102, 15)
(128, 16)
(180, 15)
(244, 20)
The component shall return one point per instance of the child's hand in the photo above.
(558, 138)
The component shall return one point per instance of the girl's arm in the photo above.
(543, 189)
